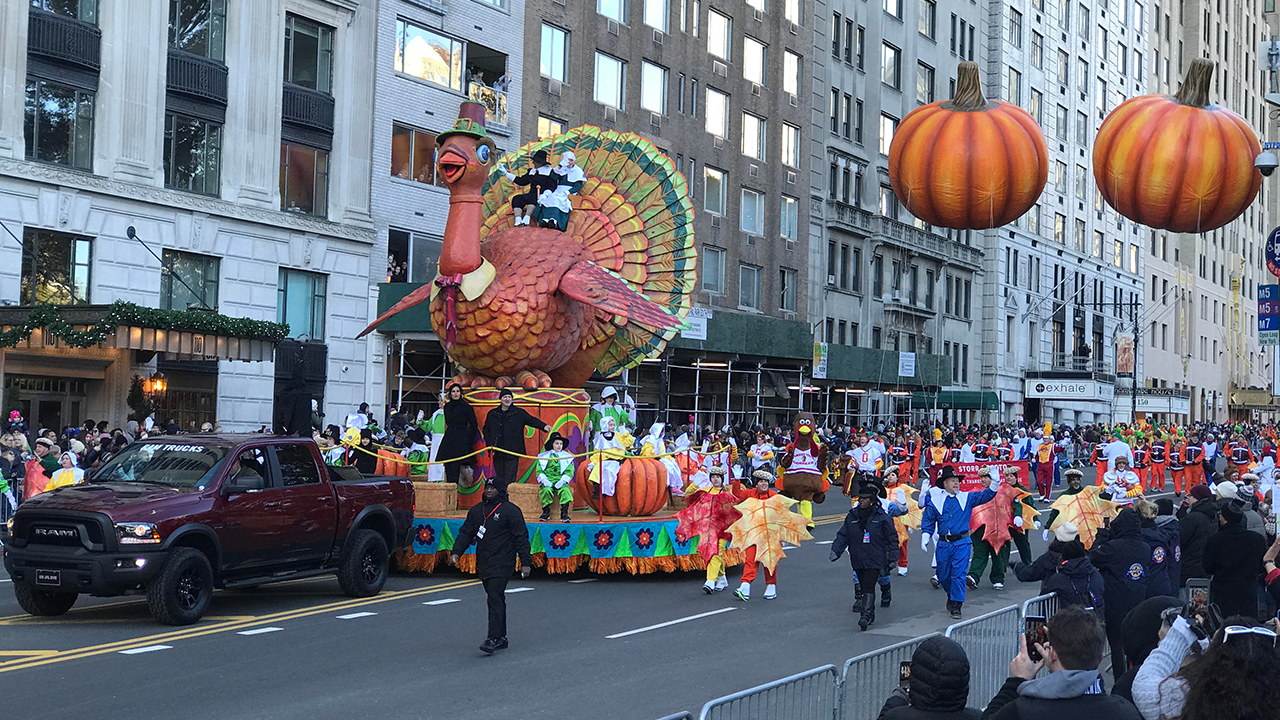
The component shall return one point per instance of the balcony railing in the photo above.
(62, 38)
(907, 236)
(494, 101)
(303, 106)
(1079, 363)
(197, 76)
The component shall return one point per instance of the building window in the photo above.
(786, 290)
(877, 275)
(857, 121)
(304, 179)
(1117, 254)
(192, 154)
(616, 10)
(754, 56)
(1080, 233)
(548, 127)
(188, 281)
(862, 46)
(1015, 87)
(791, 73)
(83, 10)
(924, 84)
(1096, 250)
(1037, 50)
(58, 124)
(611, 81)
(412, 257)
(754, 131)
(790, 217)
(714, 199)
(712, 270)
(929, 282)
(790, 145)
(717, 113)
(835, 35)
(655, 14)
(1082, 182)
(413, 154)
(308, 53)
(300, 302)
(888, 202)
(749, 287)
(55, 268)
(888, 126)
(719, 35)
(198, 27)
(1060, 228)
(792, 11)
(891, 66)
(554, 55)
(752, 212)
(1015, 28)
(1064, 67)
(653, 88)
(846, 110)
(1037, 106)
(928, 19)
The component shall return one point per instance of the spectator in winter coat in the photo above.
(1233, 561)
(938, 688)
(869, 535)
(1122, 556)
(1073, 688)
(1065, 569)
(1161, 553)
(1199, 523)
(1168, 525)
(1141, 630)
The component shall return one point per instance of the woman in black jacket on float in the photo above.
(459, 433)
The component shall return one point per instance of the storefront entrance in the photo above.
(45, 402)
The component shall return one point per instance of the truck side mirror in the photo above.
(244, 484)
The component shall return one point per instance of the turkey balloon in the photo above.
(1177, 163)
(536, 306)
(968, 163)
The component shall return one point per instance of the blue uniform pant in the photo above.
(953, 564)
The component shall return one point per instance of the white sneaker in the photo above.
(708, 587)
(770, 592)
(998, 586)
(743, 592)
(721, 583)
(902, 571)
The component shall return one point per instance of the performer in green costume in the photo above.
(555, 473)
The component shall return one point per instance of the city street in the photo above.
(581, 646)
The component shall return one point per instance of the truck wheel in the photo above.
(180, 594)
(43, 602)
(365, 565)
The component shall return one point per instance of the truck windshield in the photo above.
(179, 465)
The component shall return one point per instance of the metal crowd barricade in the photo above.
(990, 641)
(810, 695)
(868, 679)
(679, 716)
(1042, 605)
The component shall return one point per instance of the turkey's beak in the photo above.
(417, 296)
(452, 165)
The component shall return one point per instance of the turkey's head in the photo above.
(463, 162)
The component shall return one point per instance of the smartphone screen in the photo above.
(904, 674)
(1037, 631)
(1198, 594)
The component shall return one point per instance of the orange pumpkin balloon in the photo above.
(641, 490)
(1177, 163)
(968, 163)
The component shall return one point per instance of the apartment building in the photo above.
(431, 56)
(885, 286)
(157, 154)
(1063, 285)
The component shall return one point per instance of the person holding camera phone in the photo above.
(937, 685)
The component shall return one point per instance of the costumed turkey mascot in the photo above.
(804, 466)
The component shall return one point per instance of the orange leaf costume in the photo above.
(1086, 510)
(765, 525)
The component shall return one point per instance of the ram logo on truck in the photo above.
(54, 532)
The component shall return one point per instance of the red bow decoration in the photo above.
(450, 285)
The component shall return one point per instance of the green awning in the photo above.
(956, 400)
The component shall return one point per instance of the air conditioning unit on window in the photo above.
(755, 89)
(717, 142)
(612, 26)
(793, 28)
(657, 37)
(791, 177)
(831, 279)
(554, 87)
(610, 113)
(655, 120)
(753, 170)
(759, 15)
(719, 68)
(795, 101)
(715, 221)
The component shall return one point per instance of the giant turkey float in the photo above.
(539, 310)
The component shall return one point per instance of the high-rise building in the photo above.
(194, 155)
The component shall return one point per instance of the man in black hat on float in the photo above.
(497, 527)
(504, 430)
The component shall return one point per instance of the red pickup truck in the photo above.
(177, 517)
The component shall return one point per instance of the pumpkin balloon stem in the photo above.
(969, 95)
(1195, 87)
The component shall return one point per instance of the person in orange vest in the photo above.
(1141, 459)
(1159, 453)
(916, 446)
(938, 456)
(1193, 456)
(1240, 454)
(1098, 460)
(1177, 463)
(1044, 455)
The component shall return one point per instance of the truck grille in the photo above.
(61, 529)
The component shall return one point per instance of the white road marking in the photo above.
(583, 580)
(147, 649)
(445, 601)
(669, 623)
(824, 542)
(518, 589)
(7, 580)
(787, 546)
(353, 616)
(260, 631)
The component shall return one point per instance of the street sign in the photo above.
(1273, 252)
(1269, 313)
(906, 364)
(1268, 322)
(820, 353)
(1269, 337)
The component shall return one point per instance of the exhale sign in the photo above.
(1269, 314)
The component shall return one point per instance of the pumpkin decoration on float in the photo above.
(641, 489)
(1177, 163)
(968, 163)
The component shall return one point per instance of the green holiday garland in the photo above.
(127, 313)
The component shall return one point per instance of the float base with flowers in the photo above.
(635, 545)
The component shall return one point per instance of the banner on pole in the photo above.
(971, 473)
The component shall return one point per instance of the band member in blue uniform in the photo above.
(946, 516)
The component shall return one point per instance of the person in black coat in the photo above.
(1171, 529)
(1161, 553)
(504, 429)
(1195, 528)
(938, 688)
(497, 527)
(1122, 556)
(872, 541)
(459, 433)
(1233, 561)
(366, 458)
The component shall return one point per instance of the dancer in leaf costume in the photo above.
(708, 515)
(992, 526)
(767, 521)
(1086, 509)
